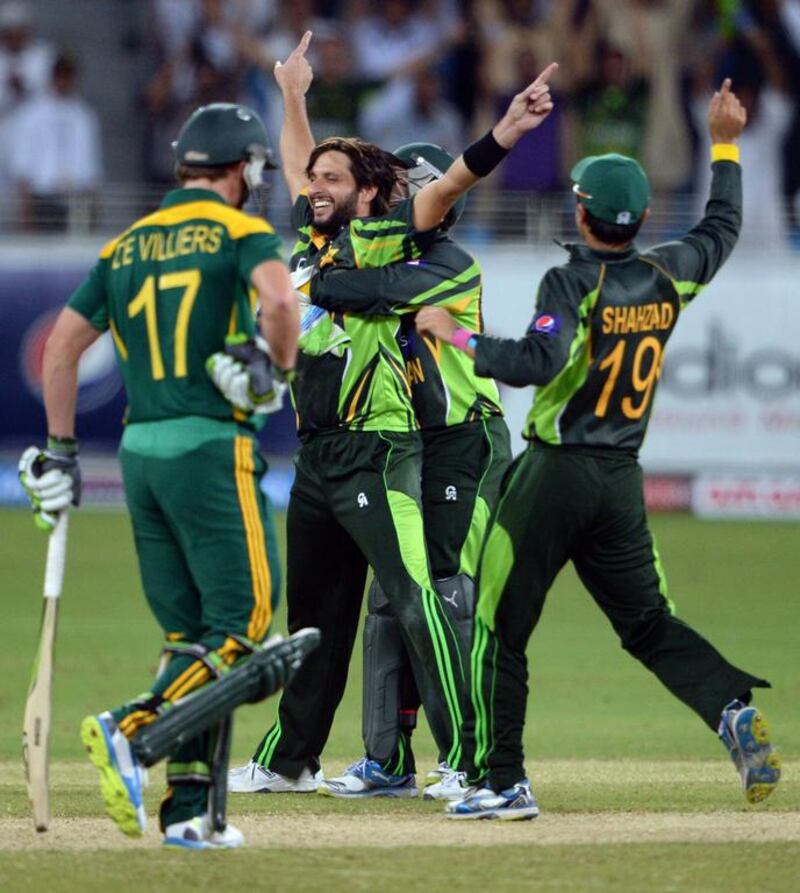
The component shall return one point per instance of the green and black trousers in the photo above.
(462, 469)
(584, 505)
(356, 503)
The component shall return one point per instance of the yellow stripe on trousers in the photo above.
(261, 615)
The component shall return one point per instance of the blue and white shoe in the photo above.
(121, 777)
(516, 802)
(196, 834)
(366, 779)
(745, 733)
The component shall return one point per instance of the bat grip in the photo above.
(56, 557)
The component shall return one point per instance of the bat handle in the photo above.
(56, 557)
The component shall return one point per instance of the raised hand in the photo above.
(726, 115)
(295, 74)
(527, 109)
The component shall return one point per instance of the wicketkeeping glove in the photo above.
(246, 376)
(51, 478)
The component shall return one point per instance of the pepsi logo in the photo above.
(99, 380)
(547, 324)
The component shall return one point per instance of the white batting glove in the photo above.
(246, 377)
(51, 479)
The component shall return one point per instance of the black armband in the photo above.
(483, 156)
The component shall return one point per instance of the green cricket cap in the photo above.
(612, 188)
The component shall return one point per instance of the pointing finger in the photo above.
(726, 87)
(545, 76)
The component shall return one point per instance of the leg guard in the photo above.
(458, 597)
(262, 674)
(385, 661)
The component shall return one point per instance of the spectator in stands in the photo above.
(26, 61)
(54, 154)
(653, 36)
(611, 108)
(761, 85)
(208, 68)
(338, 93)
(393, 34)
(534, 165)
(413, 110)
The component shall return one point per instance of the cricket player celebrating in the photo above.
(356, 500)
(170, 289)
(466, 450)
(594, 350)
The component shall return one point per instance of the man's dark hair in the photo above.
(369, 164)
(184, 172)
(612, 233)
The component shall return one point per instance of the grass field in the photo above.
(635, 793)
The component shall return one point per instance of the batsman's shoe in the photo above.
(195, 834)
(121, 777)
(444, 783)
(256, 779)
(745, 733)
(516, 802)
(366, 779)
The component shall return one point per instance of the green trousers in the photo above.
(356, 502)
(202, 528)
(587, 506)
(462, 468)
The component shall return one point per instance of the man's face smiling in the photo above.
(334, 196)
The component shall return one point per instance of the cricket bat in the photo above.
(36, 725)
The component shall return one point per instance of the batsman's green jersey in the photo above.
(170, 288)
(596, 343)
(445, 389)
(351, 370)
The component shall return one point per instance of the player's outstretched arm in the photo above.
(694, 260)
(525, 113)
(294, 77)
(280, 317)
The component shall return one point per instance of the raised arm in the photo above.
(694, 260)
(294, 77)
(525, 113)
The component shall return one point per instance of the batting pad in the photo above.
(265, 672)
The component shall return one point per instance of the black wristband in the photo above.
(483, 156)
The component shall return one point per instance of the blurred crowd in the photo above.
(635, 77)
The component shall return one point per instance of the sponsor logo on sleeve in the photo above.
(546, 324)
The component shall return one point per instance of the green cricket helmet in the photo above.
(223, 133)
(427, 162)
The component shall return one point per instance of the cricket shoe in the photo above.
(745, 733)
(121, 777)
(444, 783)
(196, 834)
(516, 802)
(365, 778)
(257, 779)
